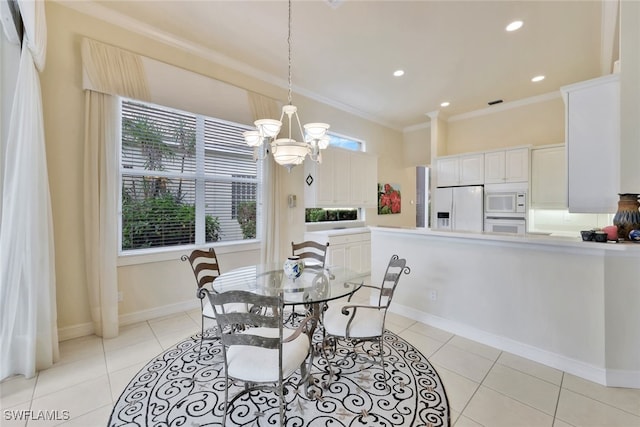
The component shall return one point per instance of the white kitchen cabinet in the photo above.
(506, 166)
(343, 179)
(592, 112)
(350, 249)
(363, 182)
(549, 177)
(466, 169)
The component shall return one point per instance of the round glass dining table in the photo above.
(315, 285)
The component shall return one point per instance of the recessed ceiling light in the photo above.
(398, 73)
(445, 104)
(537, 79)
(515, 25)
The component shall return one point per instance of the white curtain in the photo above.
(263, 107)
(107, 71)
(100, 210)
(28, 319)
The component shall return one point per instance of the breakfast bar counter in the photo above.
(566, 303)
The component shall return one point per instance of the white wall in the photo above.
(571, 305)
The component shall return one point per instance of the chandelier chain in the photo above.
(289, 44)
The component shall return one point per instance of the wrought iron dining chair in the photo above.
(356, 323)
(312, 253)
(206, 270)
(263, 355)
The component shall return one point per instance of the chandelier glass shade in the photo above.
(287, 151)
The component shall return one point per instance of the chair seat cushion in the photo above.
(207, 310)
(258, 364)
(367, 323)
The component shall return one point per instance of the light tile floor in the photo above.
(485, 386)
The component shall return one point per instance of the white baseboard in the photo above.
(627, 379)
(154, 313)
(84, 329)
(606, 377)
(75, 331)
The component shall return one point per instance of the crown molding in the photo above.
(95, 10)
(506, 106)
(419, 126)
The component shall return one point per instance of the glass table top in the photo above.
(315, 284)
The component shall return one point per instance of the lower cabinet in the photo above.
(350, 250)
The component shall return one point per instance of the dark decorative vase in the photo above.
(627, 217)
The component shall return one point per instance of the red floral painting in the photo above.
(388, 199)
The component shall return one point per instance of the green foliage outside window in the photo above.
(161, 221)
(320, 215)
(247, 219)
(155, 215)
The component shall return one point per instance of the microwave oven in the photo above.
(506, 202)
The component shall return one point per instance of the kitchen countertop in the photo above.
(542, 239)
(340, 231)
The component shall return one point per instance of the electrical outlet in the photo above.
(433, 295)
(120, 296)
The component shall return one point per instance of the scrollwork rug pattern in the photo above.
(185, 387)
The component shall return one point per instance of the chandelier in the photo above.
(287, 151)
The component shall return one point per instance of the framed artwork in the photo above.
(389, 200)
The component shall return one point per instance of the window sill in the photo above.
(333, 225)
(145, 256)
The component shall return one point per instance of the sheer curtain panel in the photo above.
(262, 107)
(28, 319)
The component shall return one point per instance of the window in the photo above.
(345, 142)
(186, 179)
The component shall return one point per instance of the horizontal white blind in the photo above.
(160, 180)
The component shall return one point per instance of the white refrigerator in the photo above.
(459, 208)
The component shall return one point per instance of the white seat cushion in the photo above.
(207, 310)
(368, 322)
(260, 364)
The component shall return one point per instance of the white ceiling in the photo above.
(345, 54)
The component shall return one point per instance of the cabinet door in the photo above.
(516, 165)
(341, 175)
(494, 167)
(593, 144)
(472, 169)
(548, 178)
(366, 256)
(318, 189)
(337, 255)
(363, 180)
(354, 257)
(447, 171)
(370, 181)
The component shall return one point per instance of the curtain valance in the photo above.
(114, 71)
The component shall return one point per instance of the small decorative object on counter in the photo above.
(612, 232)
(293, 267)
(627, 217)
(600, 236)
(634, 236)
(587, 235)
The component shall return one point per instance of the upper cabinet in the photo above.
(510, 165)
(592, 111)
(548, 178)
(467, 169)
(344, 179)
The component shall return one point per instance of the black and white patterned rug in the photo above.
(179, 388)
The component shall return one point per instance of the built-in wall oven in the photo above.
(498, 224)
(505, 208)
